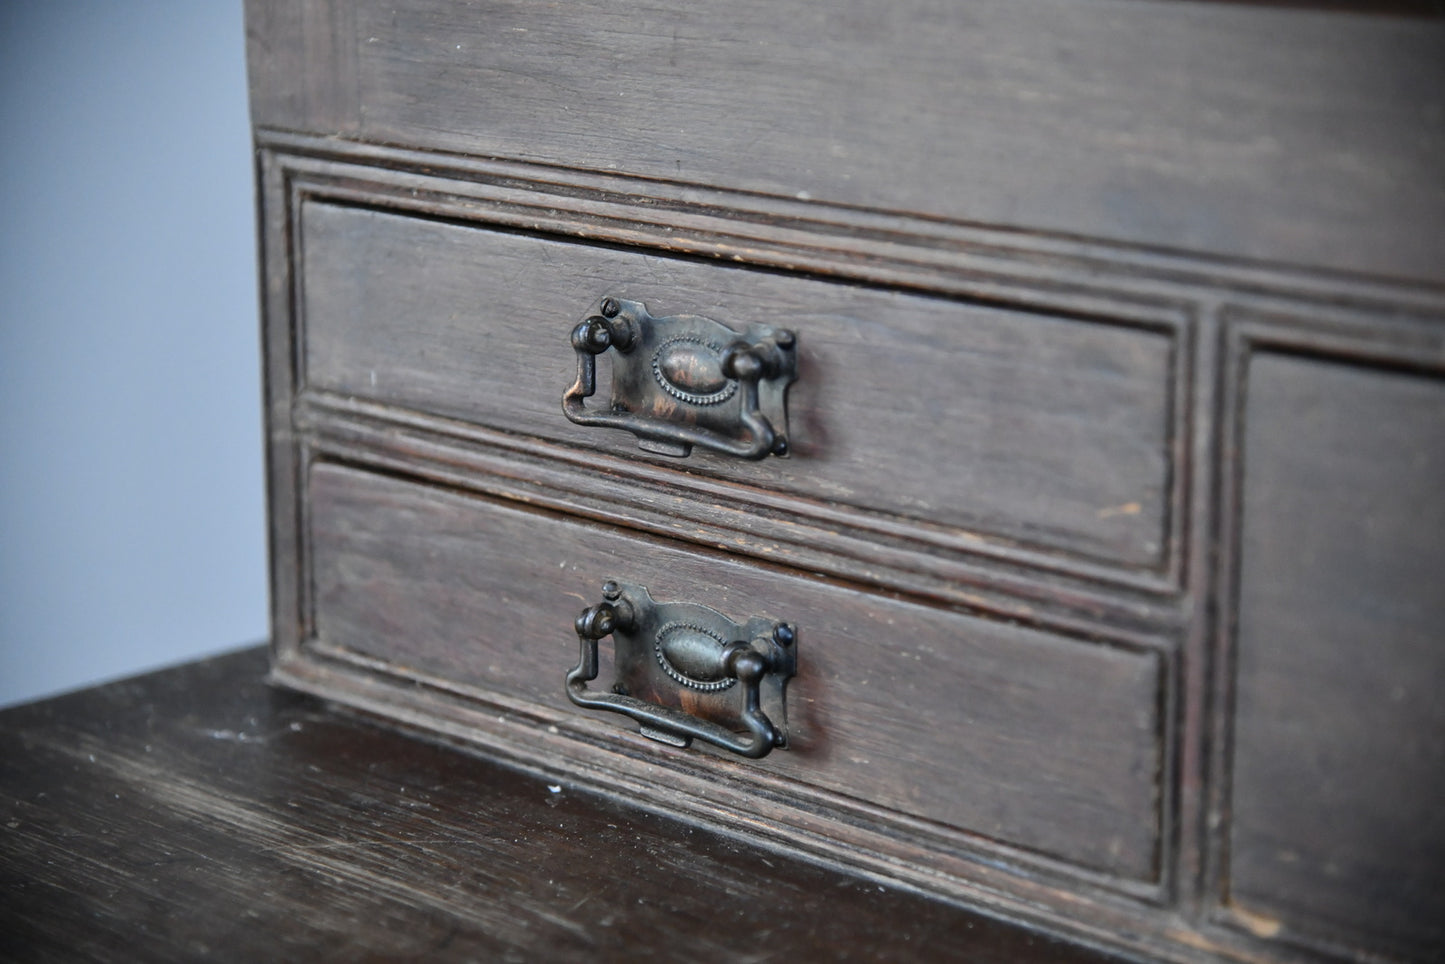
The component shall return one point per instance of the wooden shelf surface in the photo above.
(199, 813)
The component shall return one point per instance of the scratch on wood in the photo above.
(1260, 925)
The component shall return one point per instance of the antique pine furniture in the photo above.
(1051, 393)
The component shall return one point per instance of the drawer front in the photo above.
(980, 729)
(1039, 429)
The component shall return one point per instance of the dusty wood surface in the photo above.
(197, 813)
(1084, 211)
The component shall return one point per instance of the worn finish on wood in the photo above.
(1183, 126)
(970, 263)
(1045, 743)
(1127, 126)
(198, 814)
(854, 543)
(1339, 765)
(1056, 430)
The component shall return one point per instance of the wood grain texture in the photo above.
(1043, 743)
(1338, 765)
(1040, 429)
(1121, 188)
(197, 814)
(1188, 126)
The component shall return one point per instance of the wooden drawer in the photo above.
(989, 733)
(1036, 428)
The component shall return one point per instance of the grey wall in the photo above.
(131, 492)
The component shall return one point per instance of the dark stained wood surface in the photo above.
(1057, 429)
(1030, 739)
(1010, 179)
(1339, 734)
(198, 814)
(1230, 129)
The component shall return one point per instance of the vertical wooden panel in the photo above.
(1339, 761)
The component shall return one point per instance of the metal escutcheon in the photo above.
(685, 380)
(686, 672)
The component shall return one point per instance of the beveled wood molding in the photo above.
(1023, 268)
(914, 561)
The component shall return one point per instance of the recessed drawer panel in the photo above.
(1011, 734)
(1338, 765)
(1047, 431)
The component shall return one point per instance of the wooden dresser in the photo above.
(1103, 528)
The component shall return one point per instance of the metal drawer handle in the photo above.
(675, 665)
(685, 380)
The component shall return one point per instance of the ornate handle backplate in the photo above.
(685, 380)
(686, 672)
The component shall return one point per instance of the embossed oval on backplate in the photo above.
(692, 656)
(691, 369)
